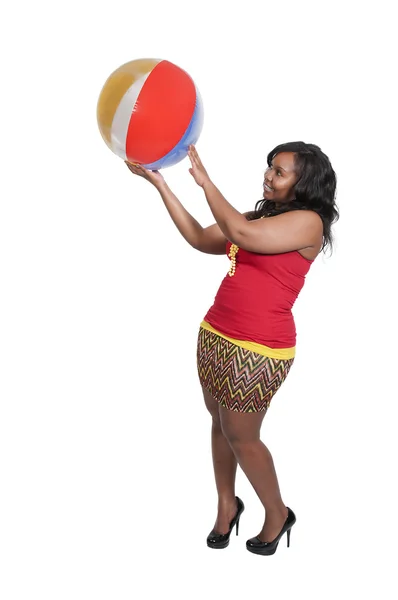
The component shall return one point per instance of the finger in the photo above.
(193, 159)
(197, 158)
(195, 152)
(131, 165)
(135, 168)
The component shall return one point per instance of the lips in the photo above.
(267, 188)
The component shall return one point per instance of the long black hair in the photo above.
(315, 189)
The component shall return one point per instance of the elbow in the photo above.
(236, 236)
(195, 245)
(233, 233)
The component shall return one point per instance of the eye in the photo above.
(279, 172)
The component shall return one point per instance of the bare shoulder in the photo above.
(310, 221)
(313, 218)
(293, 230)
(309, 218)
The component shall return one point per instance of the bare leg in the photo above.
(243, 433)
(225, 464)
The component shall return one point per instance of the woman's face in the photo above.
(280, 178)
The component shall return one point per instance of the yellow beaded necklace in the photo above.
(233, 251)
(232, 255)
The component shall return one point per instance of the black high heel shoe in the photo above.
(256, 546)
(221, 540)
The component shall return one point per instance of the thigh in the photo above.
(241, 426)
(248, 380)
(208, 364)
(236, 378)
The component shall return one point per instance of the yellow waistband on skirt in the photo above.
(281, 353)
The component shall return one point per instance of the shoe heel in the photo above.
(288, 537)
(237, 526)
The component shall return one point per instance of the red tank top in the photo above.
(256, 303)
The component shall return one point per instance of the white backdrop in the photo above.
(106, 474)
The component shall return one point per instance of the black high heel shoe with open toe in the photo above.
(221, 540)
(256, 546)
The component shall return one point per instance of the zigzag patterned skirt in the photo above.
(239, 379)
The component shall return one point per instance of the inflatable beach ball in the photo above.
(149, 112)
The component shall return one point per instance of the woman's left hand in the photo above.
(197, 170)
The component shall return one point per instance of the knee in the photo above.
(236, 439)
(240, 441)
(243, 448)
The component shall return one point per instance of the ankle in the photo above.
(277, 512)
(226, 500)
(227, 508)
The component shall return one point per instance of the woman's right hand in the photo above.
(153, 177)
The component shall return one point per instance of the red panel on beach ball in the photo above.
(162, 113)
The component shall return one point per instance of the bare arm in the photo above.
(294, 230)
(209, 240)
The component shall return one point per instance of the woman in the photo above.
(246, 343)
